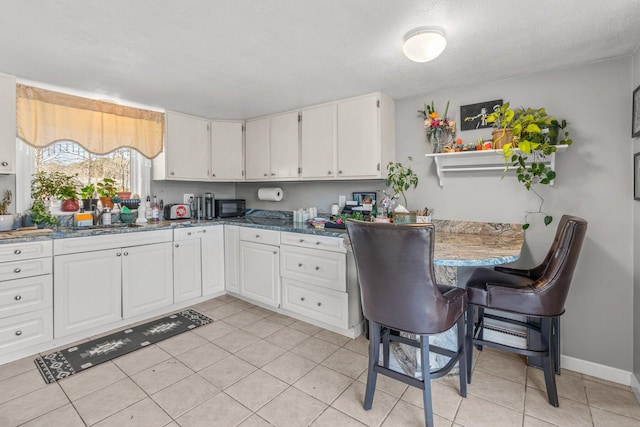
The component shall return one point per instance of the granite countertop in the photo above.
(458, 243)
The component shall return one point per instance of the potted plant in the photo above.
(502, 119)
(441, 130)
(6, 219)
(535, 133)
(107, 190)
(401, 178)
(89, 200)
(39, 214)
(68, 193)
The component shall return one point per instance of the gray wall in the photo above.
(594, 181)
(636, 250)
(172, 192)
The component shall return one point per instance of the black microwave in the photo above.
(230, 208)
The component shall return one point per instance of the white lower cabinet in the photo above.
(146, 278)
(26, 295)
(260, 272)
(100, 280)
(232, 258)
(87, 290)
(198, 262)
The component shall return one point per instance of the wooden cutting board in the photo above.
(18, 234)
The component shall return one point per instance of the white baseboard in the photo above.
(635, 386)
(596, 370)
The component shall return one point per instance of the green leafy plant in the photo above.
(88, 191)
(401, 178)
(6, 201)
(40, 214)
(106, 187)
(535, 134)
(502, 117)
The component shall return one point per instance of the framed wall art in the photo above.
(474, 116)
(635, 127)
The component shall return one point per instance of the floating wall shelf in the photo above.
(473, 161)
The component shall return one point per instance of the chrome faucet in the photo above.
(97, 215)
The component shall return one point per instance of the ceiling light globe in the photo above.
(424, 44)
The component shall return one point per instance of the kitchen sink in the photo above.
(116, 226)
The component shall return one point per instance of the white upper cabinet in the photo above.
(227, 156)
(186, 151)
(257, 149)
(284, 146)
(318, 142)
(272, 147)
(7, 124)
(365, 136)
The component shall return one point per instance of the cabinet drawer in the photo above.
(25, 295)
(322, 268)
(20, 251)
(313, 241)
(25, 330)
(112, 241)
(260, 235)
(25, 268)
(325, 305)
(187, 233)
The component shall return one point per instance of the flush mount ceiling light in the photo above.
(424, 44)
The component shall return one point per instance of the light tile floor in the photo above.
(253, 367)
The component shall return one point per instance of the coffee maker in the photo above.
(209, 205)
(196, 208)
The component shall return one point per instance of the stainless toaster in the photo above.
(177, 211)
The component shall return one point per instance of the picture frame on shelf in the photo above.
(365, 198)
(474, 116)
(636, 176)
(635, 122)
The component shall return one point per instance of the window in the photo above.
(129, 168)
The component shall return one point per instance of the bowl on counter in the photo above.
(128, 217)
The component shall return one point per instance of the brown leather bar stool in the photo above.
(538, 293)
(399, 293)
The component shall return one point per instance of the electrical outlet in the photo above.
(186, 197)
(342, 200)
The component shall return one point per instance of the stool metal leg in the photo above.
(481, 323)
(374, 356)
(555, 330)
(469, 341)
(426, 378)
(385, 347)
(462, 362)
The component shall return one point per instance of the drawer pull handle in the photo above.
(275, 252)
(17, 252)
(18, 333)
(118, 254)
(329, 173)
(257, 236)
(177, 245)
(126, 253)
(319, 304)
(317, 243)
(17, 297)
(301, 240)
(301, 298)
(300, 265)
(5, 164)
(188, 233)
(17, 270)
(317, 268)
(204, 231)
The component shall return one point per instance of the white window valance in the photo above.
(44, 117)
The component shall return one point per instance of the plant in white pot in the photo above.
(6, 219)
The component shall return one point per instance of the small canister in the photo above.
(106, 216)
(335, 209)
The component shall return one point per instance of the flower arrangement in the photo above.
(440, 129)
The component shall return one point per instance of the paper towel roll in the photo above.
(273, 194)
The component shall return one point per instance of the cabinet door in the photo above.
(260, 273)
(227, 161)
(187, 147)
(147, 281)
(212, 246)
(232, 258)
(86, 290)
(187, 270)
(284, 146)
(358, 138)
(257, 149)
(318, 142)
(7, 124)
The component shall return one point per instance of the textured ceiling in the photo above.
(246, 58)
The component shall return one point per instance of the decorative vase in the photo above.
(70, 205)
(6, 222)
(440, 137)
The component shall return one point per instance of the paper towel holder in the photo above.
(270, 194)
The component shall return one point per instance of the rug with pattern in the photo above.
(64, 363)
